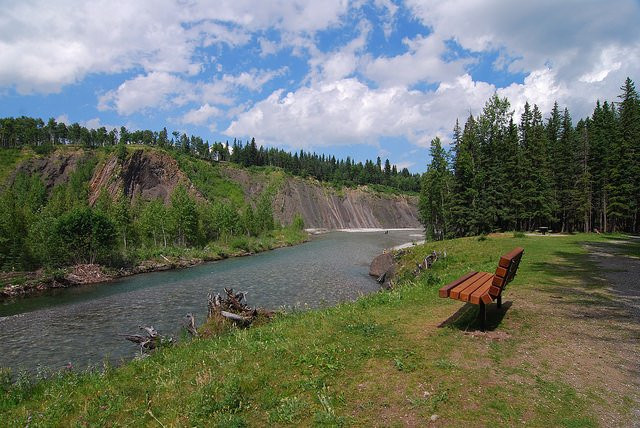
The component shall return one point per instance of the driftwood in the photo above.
(233, 307)
(428, 261)
(147, 342)
(190, 325)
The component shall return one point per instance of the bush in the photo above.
(298, 222)
(519, 235)
(86, 236)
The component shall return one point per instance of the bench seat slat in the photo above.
(455, 291)
(469, 291)
(471, 282)
(481, 294)
(446, 290)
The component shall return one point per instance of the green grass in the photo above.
(9, 159)
(376, 361)
(209, 181)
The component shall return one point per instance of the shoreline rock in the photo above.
(383, 268)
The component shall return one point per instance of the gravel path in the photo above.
(622, 272)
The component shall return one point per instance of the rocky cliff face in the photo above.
(324, 207)
(147, 174)
(54, 169)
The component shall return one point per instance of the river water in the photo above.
(81, 325)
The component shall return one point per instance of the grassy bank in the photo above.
(383, 360)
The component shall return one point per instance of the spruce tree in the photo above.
(435, 193)
(629, 120)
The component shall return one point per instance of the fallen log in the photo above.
(237, 318)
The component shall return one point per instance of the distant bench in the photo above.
(482, 288)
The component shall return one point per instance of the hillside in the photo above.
(139, 208)
(153, 173)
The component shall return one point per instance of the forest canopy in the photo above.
(503, 175)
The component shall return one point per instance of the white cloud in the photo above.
(341, 62)
(348, 112)
(63, 118)
(422, 63)
(254, 79)
(201, 115)
(153, 90)
(540, 87)
(44, 47)
(575, 39)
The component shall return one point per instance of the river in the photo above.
(80, 325)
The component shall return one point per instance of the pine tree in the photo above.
(537, 196)
(464, 192)
(435, 193)
(629, 117)
(582, 195)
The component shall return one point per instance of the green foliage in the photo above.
(435, 195)
(206, 177)
(85, 235)
(566, 177)
(297, 223)
(184, 217)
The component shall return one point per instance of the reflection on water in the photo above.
(81, 325)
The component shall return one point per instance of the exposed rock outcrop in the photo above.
(148, 174)
(151, 174)
(54, 169)
(350, 208)
(324, 207)
(383, 268)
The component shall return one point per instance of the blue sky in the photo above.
(358, 78)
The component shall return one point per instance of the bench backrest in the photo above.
(506, 271)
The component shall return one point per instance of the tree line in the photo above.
(55, 228)
(34, 132)
(500, 175)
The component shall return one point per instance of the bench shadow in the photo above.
(466, 318)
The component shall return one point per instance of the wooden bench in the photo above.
(482, 288)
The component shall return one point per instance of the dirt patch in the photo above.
(589, 330)
(87, 274)
(489, 335)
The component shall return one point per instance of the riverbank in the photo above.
(400, 357)
(25, 284)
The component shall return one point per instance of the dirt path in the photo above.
(621, 272)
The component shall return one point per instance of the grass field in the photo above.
(559, 353)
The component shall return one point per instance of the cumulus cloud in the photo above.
(43, 48)
(154, 90)
(207, 62)
(254, 79)
(160, 90)
(422, 63)
(358, 114)
(201, 115)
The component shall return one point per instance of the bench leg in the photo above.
(499, 301)
(482, 315)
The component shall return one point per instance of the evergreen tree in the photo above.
(464, 189)
(435, 193)
(629, 117)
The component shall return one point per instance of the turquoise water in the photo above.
(81, 325)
